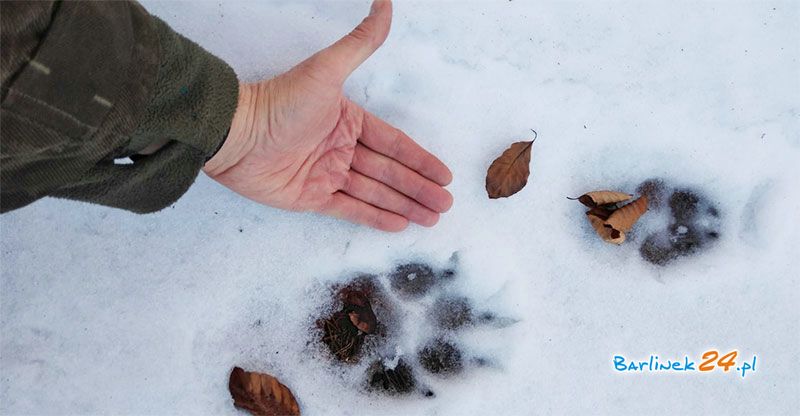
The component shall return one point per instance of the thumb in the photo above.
(344, 56)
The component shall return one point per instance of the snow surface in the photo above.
(107, 312)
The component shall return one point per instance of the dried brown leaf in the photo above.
(624, 218)
(600, 212)
(359, 311)
(261, 394)
(508, 174)
(598, 198)
(364, 319)
(605, 232)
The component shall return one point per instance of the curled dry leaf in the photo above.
(363, 319)
(600, 212)
(598, 198)
(624, 218)
(607, 233)
(261, 394)
(360, 311)
(508, 174)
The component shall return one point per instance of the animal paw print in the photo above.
(693, 225)
(370, 315)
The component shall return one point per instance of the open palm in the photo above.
(297, 143)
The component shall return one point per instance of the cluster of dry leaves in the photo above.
(610, 215)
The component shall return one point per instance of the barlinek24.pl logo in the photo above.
(711, 360)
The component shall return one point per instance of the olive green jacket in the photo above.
(85, 83)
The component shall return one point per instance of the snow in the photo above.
(107, 312)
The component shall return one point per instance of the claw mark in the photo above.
(749, 231)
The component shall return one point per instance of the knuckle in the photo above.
(364, 33)
(411, 208)
(375, 220)
(372, 194)
(397, 141)
(419, 190)
(386, 174)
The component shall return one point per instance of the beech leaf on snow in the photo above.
(605, 232)
(261, 394)
(600, 212)
(623, 218)
(508, 174)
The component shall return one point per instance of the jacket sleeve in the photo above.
(84, 83)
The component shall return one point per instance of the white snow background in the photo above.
(108, 312)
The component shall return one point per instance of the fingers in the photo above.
(382, 196)
(344, 56)
(401, 178)
(381, 137)
(347, 208)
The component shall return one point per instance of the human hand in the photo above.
(297, 143)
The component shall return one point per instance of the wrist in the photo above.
(239, 140)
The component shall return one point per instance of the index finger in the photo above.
(381, 137)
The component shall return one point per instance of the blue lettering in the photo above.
(654, 364)
(689, 364)
(745, 367)
(619, 363)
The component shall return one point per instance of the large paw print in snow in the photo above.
(402, 329)
(692, 222)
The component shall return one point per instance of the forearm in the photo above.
(102, 81)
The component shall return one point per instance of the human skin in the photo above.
(297, 143)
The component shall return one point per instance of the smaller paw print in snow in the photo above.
(693, 222)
